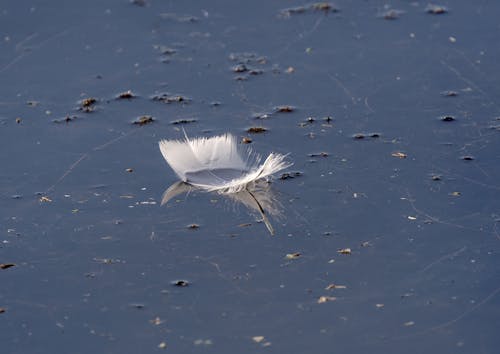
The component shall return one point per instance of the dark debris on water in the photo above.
(180, 283)
(6, 265)
(325, 7)
(256, 130)
(126, 95)
(183, 121)
(167, 98)
(66, 119)
(436, 9)
(143, 120)
(87, 105)
(290, 175)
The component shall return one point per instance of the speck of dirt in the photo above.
(449, 93)
(66, 119)
(436, 9)
(290, 175)
(127, 95)
(392, 14)
(180, 283)
(256, 130)
(6, 265)
(143, 120)
(319, 154)
(167, 98)
(183, 121)
(284, 109)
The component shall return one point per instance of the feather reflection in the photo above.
(258, 197)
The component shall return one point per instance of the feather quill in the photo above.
(217, 164)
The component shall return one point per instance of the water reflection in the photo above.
(258, 196)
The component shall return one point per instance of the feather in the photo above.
(217, 164)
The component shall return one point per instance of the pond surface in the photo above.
(386, 228)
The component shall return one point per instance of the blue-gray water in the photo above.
(412, 195)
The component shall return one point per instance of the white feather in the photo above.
(217, 164)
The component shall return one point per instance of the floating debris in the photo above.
(137, 306)
(319, 154)
(449, 93)
(246, 140)
(436, 9)
(205, 342)
(179, 18)
(284, 109)
(2, 309)
(325, 7)
(6, 265)
(127, 95)
(467, 158)
(162, 345)
(258, 339)
(436, 177)
(240, 68)
(156, 321)
(409, 323)
(87, 104)
(447, 118)
(108, 260)
(256, 130)
(183, 121)
(247, 58)
(392, 14)
(347, 251)
(399, 154)
(334, 286)
(129, 170)
(180, 283)
(18, 120)
(140, 3)
(143, 120)
(256, 72)
(358, 136)
(293, 255)
(291, 175)
(167, 98)
(66, 119)
(45, 199)
(193, 226)
(455, 194)
(165, 50)
(324, 299)
(262, 116)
